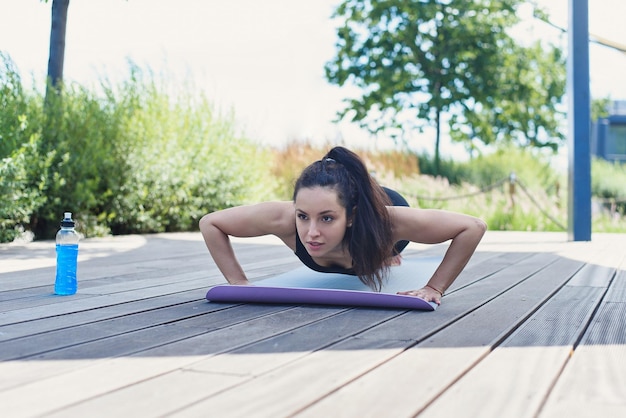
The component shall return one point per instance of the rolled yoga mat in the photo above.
(305, 286)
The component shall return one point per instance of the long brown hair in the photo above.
(369, 240)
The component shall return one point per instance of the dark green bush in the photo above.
(529, 167)
(22, 164)
(21, 190)
(16, 124)
(129, 158)
(81, 134)
(185, 159)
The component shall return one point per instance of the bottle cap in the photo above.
(67, 220)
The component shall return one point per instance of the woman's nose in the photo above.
(313, 230)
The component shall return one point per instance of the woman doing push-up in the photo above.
(342, 221)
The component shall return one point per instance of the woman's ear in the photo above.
(351, 217)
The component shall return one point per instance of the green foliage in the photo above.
(189, 163)
(608, 179)
(502, 207)
(415, 63)
(608, 184)
(535, 201)
(16, 106)
(526, 110)
(81, 135)
(526, 164)
(481, 187)
(394, 50)
(20, 188)
(453, 171)
(132, 158)
(600, 108)
(529, 166)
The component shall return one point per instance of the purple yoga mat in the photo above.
(309, 287)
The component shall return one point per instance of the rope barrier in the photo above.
(546, 214)
(512, 180)
(611, 200)
(463, 196)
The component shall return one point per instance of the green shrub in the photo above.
(608, 186)
(21, 194)
(528, 165)
(608, 179)
(22, 165)
(16, 125)
(80, 134)
(135, 157)
(185, 159)
(455, 172)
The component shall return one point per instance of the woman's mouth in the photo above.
(314, 245)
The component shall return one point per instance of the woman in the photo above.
(341, 220)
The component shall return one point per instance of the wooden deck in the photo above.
(534, 326)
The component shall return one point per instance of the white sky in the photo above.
(264, 59)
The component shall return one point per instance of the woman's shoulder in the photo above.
(275, 218)
(275, 212)
(279, 219)
(279, 216)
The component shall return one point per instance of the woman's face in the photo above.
(320, 220)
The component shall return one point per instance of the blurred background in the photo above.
(168, 111)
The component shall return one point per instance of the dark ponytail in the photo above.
(369, 240)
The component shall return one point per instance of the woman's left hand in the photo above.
(426, 293)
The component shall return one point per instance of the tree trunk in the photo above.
(57, 43)
(40, 223)
(437, 140)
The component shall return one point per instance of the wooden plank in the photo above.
(92, 275)
(62, 390)
(323, 371)
(44, 296)
(153, 397)
(257, 359)
(78, 334)
(237, 366)
(617, 290)
(517, 375)
(332, 378)
(95, 302)
(440, 359)
(37, 326)
(46, 395)
(275, 348)
(71, 304)
(417, 326)
(17, 373)
(594, 379)
(482, 269)
(543, 345)
(171, 258)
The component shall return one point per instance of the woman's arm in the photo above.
(429, 226)
(269, 218)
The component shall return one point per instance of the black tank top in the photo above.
(307, 260)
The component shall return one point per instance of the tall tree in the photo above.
(52, 134)
(415, 61)
(57, 43)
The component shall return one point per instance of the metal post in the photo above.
(579, 109)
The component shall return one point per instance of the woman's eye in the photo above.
(327, 219)
(301, 216)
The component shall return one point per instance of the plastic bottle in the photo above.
(67, 255)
